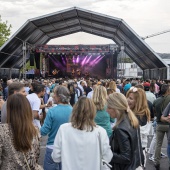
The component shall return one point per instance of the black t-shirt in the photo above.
(150, 106)
(87, 90)
(142, 120)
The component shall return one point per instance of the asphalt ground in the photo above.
(149, 164)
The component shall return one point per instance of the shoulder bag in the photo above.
(102, 161)
(140, 167)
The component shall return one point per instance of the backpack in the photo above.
(79, 92)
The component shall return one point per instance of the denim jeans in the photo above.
(168, 152)
(49, 164)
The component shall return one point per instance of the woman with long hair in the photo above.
(113, 87)
(137, 102)
(77, 144)
(152, 87)
(19, 139)
(102, 117)
(125, 144)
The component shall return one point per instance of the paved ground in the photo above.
(149, 164)
(164, 161)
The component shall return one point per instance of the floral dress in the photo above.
(10, 159)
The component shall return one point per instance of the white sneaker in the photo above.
(151, 158)
(163, 155)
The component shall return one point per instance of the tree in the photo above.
(125, 60)
(5, 31)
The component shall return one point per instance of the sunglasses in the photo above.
(134, 89)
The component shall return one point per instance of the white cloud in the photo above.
(144, 16)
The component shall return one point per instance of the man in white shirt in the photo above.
(90, 94)
(81, 86)
(35, 102)
(149, 95)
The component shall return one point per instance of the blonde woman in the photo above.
(137, 102)
(125, 144)
(113, 87)
(102, 117)
(77, 144)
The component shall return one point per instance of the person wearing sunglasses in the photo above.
(137, 102)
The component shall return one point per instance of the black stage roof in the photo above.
(41, 30)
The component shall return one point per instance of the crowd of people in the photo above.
(94, 124)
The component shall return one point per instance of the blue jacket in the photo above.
(55, 117)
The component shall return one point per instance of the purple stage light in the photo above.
(56, 63)
(93, 62)
(78, 59)
(84, 60)
(88, 59)
(74, 59)
(63, 60)
(99, 60)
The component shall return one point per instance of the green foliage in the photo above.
(28, 67)
(5, 31)
(125, 60)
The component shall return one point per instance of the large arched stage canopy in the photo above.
(42, 29)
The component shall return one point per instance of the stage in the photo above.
(76, 61)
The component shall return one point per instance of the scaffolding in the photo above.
(24, 49)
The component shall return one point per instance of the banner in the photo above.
(73, 48)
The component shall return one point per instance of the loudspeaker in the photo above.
(37, 60)
(115, 59)
(32, 59)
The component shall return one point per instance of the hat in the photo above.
(146, 84)
(118, 81)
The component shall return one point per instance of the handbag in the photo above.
(26, 162)
(102, 161)
(140, 167)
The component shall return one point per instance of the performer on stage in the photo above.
(87, 74)
(73, 73)
(78, 72)
(55, 72)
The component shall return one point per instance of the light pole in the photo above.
(122, 48)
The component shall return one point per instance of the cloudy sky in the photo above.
(146, 17)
